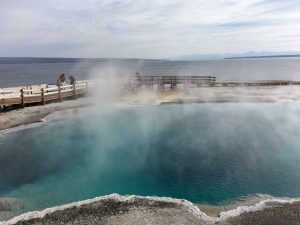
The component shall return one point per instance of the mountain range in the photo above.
(253, 54)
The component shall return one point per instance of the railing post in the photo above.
(43, 96)
(22, 98)
(59, 93)
(74, 90)
(129, 84)
(152, 81)
(140, 82)
(212, 81)
(185, 84)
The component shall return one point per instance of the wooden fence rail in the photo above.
(41, 94)
(30, 95)
(200, 81)
(173, 81)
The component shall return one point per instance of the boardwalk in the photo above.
(33, 94)
(228, 83)
(172, 82)
(42, 94)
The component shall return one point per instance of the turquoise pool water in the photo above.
(205, 153)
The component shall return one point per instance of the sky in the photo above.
(146, 29)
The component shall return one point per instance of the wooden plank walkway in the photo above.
(199, 81)
(255, 83)
(162, 81)
(42, 94)
(22, 96)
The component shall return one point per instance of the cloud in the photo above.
(148, 29)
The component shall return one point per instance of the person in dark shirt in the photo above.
(72, 80)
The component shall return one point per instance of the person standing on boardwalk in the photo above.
(72, 80)
(61, 81)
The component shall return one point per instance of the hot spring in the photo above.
(205, 153)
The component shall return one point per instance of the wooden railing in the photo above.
(234, 83)
(41, 94)
(173, 81)
(200, 81)
(33, 94)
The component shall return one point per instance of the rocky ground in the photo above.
(141, 210)
(283, 215)
(27, 115)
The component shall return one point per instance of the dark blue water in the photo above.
(25, 71)
(206, 153)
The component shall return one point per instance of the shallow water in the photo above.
(205, 153)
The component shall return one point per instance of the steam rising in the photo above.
(206, 153)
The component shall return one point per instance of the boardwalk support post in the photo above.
(43, 96)
(74, 91)
(140, 82)
(152, 82)
(22, 98)
(129, 84)
(59, 93)
(86, 87)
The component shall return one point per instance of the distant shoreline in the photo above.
(263, 57)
